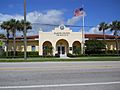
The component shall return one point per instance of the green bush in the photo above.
(20, 54)
(74, 55)
(1, 52)
(94, 47)
(36, 54)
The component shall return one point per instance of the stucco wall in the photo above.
(57, 34)
(20, 45)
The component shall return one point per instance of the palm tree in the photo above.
(1, 44)
(21, 24)
(13, 27)
(102, 27)
(115, 26)
(24, 25)
(6, 26)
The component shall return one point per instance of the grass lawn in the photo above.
(62, 59)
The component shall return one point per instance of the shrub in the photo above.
(57, 55)
(21, 54)
(1, 51)
(74, 55)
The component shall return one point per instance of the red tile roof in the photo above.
(90, 36)
(29, 37)
(99, 36)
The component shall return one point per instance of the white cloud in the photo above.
(73, 20)
(94, 30)
(49, 17)
(5, 17)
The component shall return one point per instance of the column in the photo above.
(40, 49)
(54, 48)
(70, 51)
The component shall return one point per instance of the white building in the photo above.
(61, 39)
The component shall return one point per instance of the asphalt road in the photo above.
(92, 75)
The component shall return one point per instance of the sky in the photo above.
(61, 12)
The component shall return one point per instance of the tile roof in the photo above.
(90, 36)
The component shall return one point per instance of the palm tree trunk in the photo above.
(7, 42)
(14, 43)
(104, 34)
(7, 48)
(104, 40)
(117, 44)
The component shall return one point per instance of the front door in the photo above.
(61, 49)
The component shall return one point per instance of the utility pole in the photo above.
(25, 39)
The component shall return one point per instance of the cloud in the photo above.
(5, 17)
(37, 18)
(94, 30)
(73, 20)
(49, 17)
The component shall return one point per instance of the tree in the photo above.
(115, 27)
(2, 36)
(102, 27)
(77, 50)
(24, 25)
(94, 46)
(48, 50)
(1, 43)
(6, 26)
(1, 47)
(13, 23)
(21, 24)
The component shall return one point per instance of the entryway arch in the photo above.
(47, 48)
(76, 47)
(62, 47)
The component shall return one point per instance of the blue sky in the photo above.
(62, 11)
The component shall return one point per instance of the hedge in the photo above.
(20, 54)
(36, 54)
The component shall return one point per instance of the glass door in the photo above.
(61, 49)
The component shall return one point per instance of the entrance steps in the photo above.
(63, 56)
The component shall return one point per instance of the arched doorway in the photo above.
(47, 48)
(76, 47)
(62, 47)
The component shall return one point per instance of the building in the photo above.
(61, 40)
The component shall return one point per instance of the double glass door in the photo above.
(61, 49)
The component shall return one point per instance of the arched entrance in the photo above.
(47, 48)
(76, 47)
(62, 47)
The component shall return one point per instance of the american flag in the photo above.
(79, 12)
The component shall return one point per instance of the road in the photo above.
(100, 75)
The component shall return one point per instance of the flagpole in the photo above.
(83, 23)
(79, 12)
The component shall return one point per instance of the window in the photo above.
(33, 48)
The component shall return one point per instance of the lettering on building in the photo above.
(61, 33)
